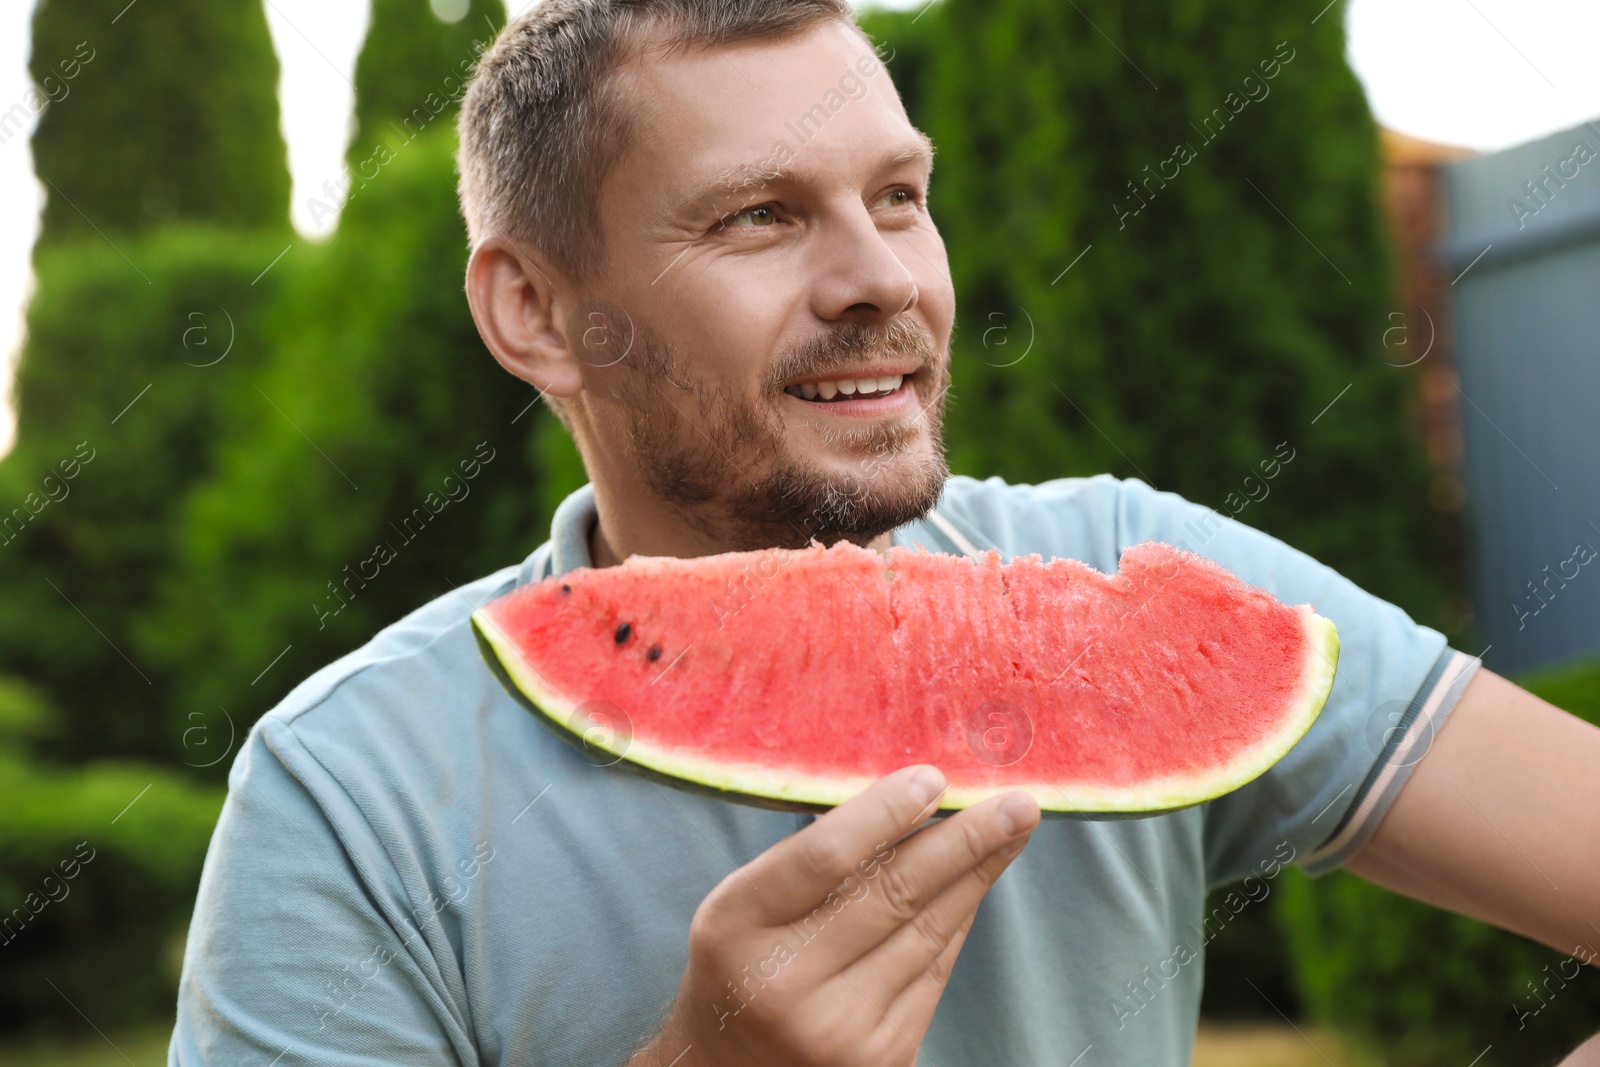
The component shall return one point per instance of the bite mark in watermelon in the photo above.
(794, 678)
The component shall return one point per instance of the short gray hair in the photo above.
(544, 118)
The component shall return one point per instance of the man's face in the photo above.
(767, 351)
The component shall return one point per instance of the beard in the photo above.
(731, 476)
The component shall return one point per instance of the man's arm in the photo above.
(1500, 820)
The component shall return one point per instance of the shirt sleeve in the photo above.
(1396, 683)
(302, 948)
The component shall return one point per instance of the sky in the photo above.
(1485, 74)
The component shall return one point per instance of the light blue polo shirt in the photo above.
(410, 870)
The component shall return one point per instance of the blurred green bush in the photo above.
(98, 870)
(1429, 988)
(133, 354)
(331, 512)
(333, 508)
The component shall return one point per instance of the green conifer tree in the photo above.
(171, 113)
(385, 460)
(167, 203)
(414, 66)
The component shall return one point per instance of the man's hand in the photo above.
(833, 946)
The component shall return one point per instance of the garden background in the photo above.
(244, 413)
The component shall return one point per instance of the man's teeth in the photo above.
(847, 387)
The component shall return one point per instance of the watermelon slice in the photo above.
(793, 678)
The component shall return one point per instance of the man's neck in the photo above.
(658, 534)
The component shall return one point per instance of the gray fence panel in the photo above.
(1526, 233)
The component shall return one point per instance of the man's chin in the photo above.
(800, 501)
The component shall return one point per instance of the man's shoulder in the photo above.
(398, 699)
(1094, 519)
(1077, 517)
(423, 636)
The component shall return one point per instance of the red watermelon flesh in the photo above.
(793, 678)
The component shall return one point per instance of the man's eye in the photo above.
(760, 215)
(906, 196)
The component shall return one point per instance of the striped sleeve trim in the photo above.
(1404, 749)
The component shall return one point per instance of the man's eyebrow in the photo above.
(734, 180)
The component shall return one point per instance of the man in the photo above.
(699, 228)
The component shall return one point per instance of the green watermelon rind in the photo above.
(766, 787)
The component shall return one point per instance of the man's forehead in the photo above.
(711, 181)
(721, 119)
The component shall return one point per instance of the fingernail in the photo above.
(926, 784)
(1015, 847)
(1018, 813)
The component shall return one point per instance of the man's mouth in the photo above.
(837, 389)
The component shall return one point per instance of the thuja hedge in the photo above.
(129, 354)
(167, 188)
(396, 460)
(412, 69)
(159, 354)
(1197, 336)
(382, 459)
(121, 394)
(157, 113)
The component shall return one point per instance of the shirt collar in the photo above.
(570, 528)
(568, 546)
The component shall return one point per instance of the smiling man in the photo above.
(700, 230)
(737, 328)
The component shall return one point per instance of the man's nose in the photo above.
(861, 274)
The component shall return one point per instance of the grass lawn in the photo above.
(1217, 1046)
(1273, 1045)
(144, 1047)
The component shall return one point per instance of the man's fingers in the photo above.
(924, 867)
(913, 1006)
(795, 876)
(916, 948)
(910, 1010)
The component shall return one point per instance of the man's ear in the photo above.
(520, 310)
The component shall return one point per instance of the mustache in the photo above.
(846, 344)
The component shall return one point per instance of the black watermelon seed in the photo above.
(566, 589)
(655, 653)
(623, 631)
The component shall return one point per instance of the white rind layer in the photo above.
(775, 784)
